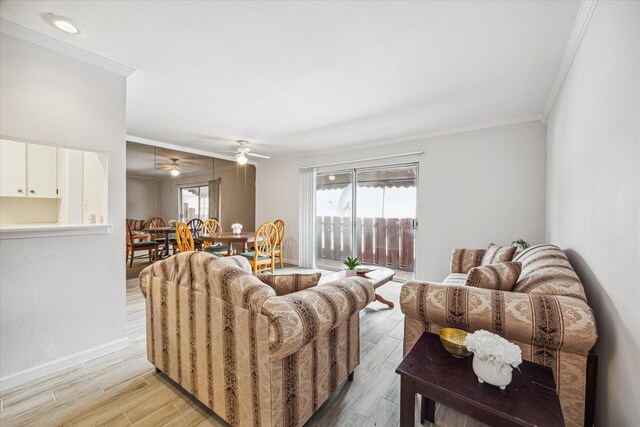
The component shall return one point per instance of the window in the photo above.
(194, 203)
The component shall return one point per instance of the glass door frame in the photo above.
(354, 182)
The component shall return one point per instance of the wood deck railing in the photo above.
(387, 242)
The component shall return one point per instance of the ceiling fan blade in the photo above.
(262, 156)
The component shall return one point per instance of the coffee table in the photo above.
(379, 276)
(429, 370)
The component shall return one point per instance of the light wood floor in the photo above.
(122, 388)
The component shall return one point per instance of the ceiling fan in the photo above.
(174, 168)
(243, 151)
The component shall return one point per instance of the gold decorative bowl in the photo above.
(452, 340)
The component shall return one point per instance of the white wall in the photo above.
(474, 188)
(62, 295)
(593, 195)
(141, 198)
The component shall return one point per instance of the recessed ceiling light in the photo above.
(63, 24)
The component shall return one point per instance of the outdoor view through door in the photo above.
(194, 203)
(381, 210)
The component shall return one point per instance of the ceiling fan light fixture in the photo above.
(175, 171)
(241, 159)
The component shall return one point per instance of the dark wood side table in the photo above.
(429, 370)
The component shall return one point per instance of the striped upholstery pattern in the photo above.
(546, 270)
(554, 330)
(455, 279)
(496, 254)
(254, 358)
(463, 260)
(502, 276)
(136, 225)
(285, 284)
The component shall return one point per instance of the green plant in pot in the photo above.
(351, 263)
(520, 244)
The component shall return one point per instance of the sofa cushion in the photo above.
(502, 276)
(455, 279)
(285, 284)
(463, 260)
(496, 254)
(546, 270)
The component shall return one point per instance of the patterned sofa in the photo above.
(254, 358)
(546, 315)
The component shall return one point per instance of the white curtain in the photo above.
(306, 251)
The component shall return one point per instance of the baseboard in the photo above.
(48, 368)
(290, 261)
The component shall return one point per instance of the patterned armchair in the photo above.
(546, 315)
(253, 357)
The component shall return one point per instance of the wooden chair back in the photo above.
(211, 226)
(280, 226)
(266, 240)
(155, 222)
(195, 226)
(184, 238)
(129, 237)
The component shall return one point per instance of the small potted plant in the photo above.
(493, 357)
(520, 244)
(351, 263)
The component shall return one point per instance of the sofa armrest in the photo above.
(544, 321)
(463, 260)
(297, 319)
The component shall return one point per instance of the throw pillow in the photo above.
(496, 254)
(501, 277)
(285, 284)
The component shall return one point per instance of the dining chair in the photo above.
(261, 258)
(195, 226)
(145, 244)
(212, 226)
(280, 226)
(184, 238)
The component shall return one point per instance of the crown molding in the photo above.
(573, 44)
(23, 33)
(176, 147)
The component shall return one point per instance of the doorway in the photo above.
(369, 213)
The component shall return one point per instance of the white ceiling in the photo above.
(304, 76)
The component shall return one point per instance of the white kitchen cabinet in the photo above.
(42, 167)
(13, 168)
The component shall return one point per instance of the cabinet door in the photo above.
(13, 172)
(41, 171)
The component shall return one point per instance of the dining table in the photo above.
(166, 230)
(230, 238)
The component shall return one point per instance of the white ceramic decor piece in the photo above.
(492, 372)
(237, 228)
(493, 357)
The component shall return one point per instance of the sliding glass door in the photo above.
(334, 218)
(379, 204)
(194, 203)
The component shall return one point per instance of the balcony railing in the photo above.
(388, 242)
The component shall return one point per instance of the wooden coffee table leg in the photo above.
(427, 410)
(407, 402)
(384, 301)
